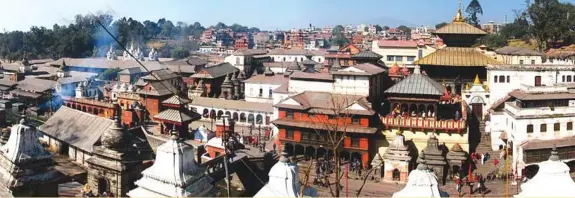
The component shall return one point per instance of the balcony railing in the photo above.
(425, 123)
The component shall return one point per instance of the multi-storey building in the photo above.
(306, 119)
(518, 56)
(401, 52)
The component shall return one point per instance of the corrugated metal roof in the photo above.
(216, 71)
(176, 100)
(417, 84)
(79, 129)
(457, 56)
(176, 116)
(459, 28)
(367, 54)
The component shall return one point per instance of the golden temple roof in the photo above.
(459, 26)
(457, 56)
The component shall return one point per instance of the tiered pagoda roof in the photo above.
(457, 56)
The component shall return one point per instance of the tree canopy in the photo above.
(474, 9)
(439, 25)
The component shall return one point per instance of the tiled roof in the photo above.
(282, 89)
(398, 44)
(417, 84)
(311, 76)
(232, 104)
(72, 79)
(35, 84)
(176, 100)
(176, 116)
(216, 71)
(249, 52)
(547, 144)
(367, 54)
(277, 64)
(325, 102)
(162, 74)
(103, 63)
(459, 28)
(276, 79)
(18, 92)
(160, 88)
(517, 51)
(133, 70)
(183, 69)
(309, 62)
(457, 56)
(521, 95)
(79, 129)
(369, 68)
(7, 83)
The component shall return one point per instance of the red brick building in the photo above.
(95, 107)
(306, 119)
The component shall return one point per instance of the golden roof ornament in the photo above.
(467, 87)
(476, 81)
(459, 17)
(443, 83)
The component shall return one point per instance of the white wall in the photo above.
(235, 60)
(356, 85)
(299, 86)
(299, 58)
(200, 110)
(518, 78)
(403, 52)
(252, 91)
(515, 60)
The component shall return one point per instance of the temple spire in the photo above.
(476, 81)
(459, 16)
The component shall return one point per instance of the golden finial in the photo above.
(399, 132)
(459, 17)
(443, 83)
(467, 87)
(476, 81)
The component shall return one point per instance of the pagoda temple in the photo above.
(175, 115)
(397, 160)
(422, 182)
(175, 173)
(457, 62)
(552, 180)
(26, 168)
(117, 163)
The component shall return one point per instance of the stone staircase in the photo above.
(485, 147)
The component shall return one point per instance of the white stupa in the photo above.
(284, 180)
(421, 182)
(175, 173)
(552, 180)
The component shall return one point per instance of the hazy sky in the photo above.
(265, 14)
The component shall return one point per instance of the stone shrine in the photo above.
(422, 182)
(397, 160)
(435, 159)
(175, 173)
(26, 168)
(552, 180)
(284, 180)
(117, 162)
(456, 158)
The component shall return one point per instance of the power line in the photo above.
(140, 63)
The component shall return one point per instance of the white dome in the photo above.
(131, 88)
(552, 180)
(123, 87)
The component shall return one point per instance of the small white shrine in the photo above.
(284, 180)
(421, 182)
(175, 173)
(552, 180)
(153, 55)
(135, 51)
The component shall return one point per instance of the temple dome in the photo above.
(421, 182)
(552, 180)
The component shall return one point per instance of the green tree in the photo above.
(439, 25)
(378, 28)
(519, 29)
(337, 30)
(180, 53)
(338, 38)
(365, 29)
(474, 9)
(385, 28)
(493, 40)
(548, 21)
(406, 30)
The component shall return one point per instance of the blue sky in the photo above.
(265, 14)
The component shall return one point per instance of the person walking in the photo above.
(458, 186)
(482, 158)
(495, 162)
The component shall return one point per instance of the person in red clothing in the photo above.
(495, 162)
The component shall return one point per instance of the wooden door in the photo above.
(537, 80)
(477, 109)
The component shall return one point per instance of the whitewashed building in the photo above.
(241, 58)
(401, 52)
(535, 119)
(260, 88)
(518, 56)
(299, 55)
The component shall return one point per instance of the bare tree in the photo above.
(331, 125)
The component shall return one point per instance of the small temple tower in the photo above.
(80, 89)
(62, 71)
(396, 160)
(435, 159)
(227, 88)
(241, 78)
(477, 96)
(236, 83)
(198, 91)
(422, 182)
(26, 168)
(175, 173)
(552, 180)
(153, 55)
(456, 158)
(111, 55)
(117, 162)
(284, 180)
